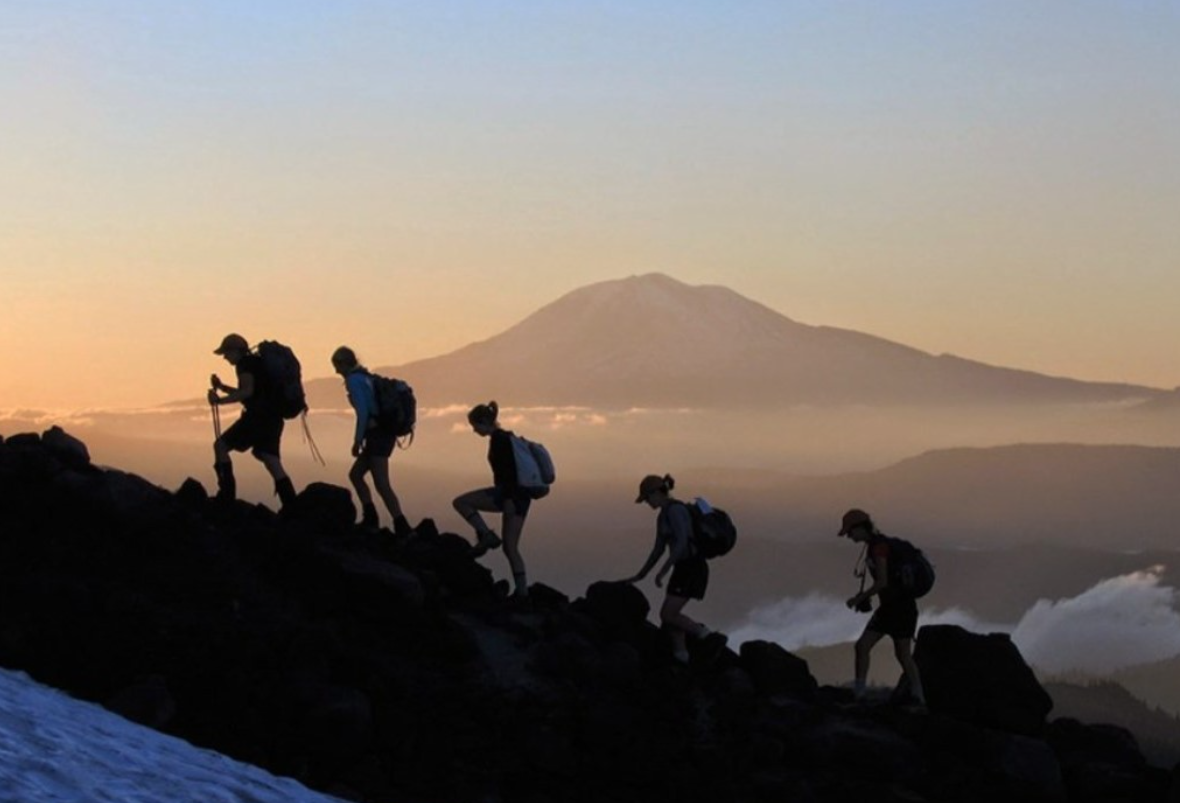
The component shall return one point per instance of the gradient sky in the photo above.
(997, 179)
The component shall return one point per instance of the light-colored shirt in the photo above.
(363, 399)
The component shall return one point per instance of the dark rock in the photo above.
(148, 702)
(980, 678)
(620, 607)
(776, 671)
(66, 448)
(23, 440)
(325, 507)
(426, 529)
(192, 494)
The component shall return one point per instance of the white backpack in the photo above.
(534, 467)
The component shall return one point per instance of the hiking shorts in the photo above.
(690, 578)
(258, 432)
(896, 616)
(521, 502)
(379, 442)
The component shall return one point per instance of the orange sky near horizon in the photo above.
(996, 182)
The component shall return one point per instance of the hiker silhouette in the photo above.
(896, 615)
(690, 570)
(260, 426)
(506, 496)
(373, 442)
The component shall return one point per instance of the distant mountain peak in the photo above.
(653, 340)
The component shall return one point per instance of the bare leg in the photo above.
(469, 505)
(273, 464)
(864, 646)
(356, 476)
(511, 528)
(379, 468)
(678, 625)
(903, 649)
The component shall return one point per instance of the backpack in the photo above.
(284, 383)
(909, 569)
(534, 467)
(713, 531)
(396, 405)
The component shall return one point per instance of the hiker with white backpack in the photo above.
(521, 472)
(686, 561)
(375, 436)
(260, 427)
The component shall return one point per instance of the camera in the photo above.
(865, 606)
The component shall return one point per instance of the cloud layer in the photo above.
(1119, 622)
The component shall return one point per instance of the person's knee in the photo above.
(461, 506)
(356, 475)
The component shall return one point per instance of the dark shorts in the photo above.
(378, 443)
(521, 502)
(896, 617)
(690, 578)
(259, 432)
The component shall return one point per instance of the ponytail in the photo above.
(483, 413)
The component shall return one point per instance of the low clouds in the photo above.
(1119, 622)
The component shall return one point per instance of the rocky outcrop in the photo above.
(381, 669)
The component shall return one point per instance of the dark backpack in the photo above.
(713, 531)
(909, 569)
(397, 407)
(283, 378)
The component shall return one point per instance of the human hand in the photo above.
(356, 450)
(216, 382)
(212, 396)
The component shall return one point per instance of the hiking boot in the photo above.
(227, 486)
(401, 527)
(488, 540)
(369, 518)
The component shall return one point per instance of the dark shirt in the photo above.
(252, 364)
(502, 458)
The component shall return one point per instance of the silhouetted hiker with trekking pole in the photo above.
(690, 570)
(374, 439)
(517, 479)
(260, 427)
(899, 577)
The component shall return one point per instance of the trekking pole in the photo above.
(310, 441)
(216, 420)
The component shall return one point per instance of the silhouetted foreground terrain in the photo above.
(385, 671)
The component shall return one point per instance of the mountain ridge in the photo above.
(653, 341)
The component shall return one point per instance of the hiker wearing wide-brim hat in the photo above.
(690, 571)
(260, 427)
(897, 613)
(372, 444)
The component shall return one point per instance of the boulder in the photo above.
(619, 607)
(982, 679)
(327, 508)
(776, 671)
(66, 448)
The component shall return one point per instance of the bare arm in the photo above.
(232, 394)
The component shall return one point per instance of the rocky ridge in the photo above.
(379, 669)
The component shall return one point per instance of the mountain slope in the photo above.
(654, 341)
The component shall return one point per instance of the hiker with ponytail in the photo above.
(690, 571)
(505, 496)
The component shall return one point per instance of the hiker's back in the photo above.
(910, 572)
